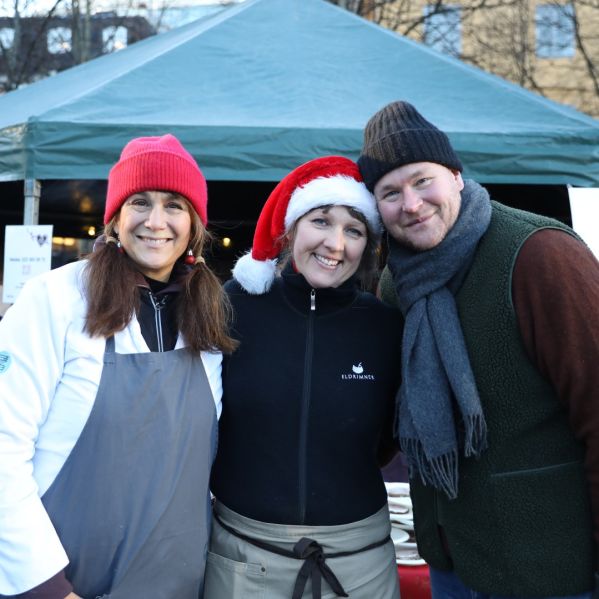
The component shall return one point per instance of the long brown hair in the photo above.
(112, 293)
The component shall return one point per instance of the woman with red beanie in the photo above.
(109, 396)
(309, 395)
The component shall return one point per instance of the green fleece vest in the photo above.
(521, 524)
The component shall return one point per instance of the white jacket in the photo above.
(49, 375)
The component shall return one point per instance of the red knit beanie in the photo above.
(326, 181)
(156, 164)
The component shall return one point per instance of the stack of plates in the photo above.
(402, 524)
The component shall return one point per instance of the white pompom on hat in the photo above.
(326, 181)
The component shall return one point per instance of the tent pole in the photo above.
(31, 212)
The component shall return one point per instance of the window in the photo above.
(443, 28)
(59, 40)
(114, 38)
(7, 37)
(554, 25)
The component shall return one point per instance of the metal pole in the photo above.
(31, 212)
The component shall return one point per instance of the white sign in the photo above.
(27, 253)
(584, 206)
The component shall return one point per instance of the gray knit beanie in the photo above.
(398, 134)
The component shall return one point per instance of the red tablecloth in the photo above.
(414, 582)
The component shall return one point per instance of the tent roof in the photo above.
(265, 85)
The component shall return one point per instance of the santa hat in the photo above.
(327, 181)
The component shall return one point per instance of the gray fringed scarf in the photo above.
(435, 366)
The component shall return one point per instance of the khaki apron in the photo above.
(131, 504)
(238, 569)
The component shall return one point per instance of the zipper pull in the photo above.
(157, 303)
(312, 300)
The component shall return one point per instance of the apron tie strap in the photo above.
(315, 567)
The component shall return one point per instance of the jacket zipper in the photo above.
(305, 410)
(158, 305)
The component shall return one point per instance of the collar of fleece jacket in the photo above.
(297, 292)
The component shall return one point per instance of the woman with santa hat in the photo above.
(110, 387)
(308, 404)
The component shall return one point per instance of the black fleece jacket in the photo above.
(307, 398)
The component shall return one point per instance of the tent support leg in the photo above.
(31, 212)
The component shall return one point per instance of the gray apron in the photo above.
(131, 504)
(359, 557)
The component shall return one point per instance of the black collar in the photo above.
(158, 288)
(297, 291)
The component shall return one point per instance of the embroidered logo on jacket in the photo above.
(357, 373)
(4, 361)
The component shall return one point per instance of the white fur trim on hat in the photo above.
(255, 276)
(340, 190)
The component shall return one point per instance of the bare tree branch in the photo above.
(28, 57)
(506, 38)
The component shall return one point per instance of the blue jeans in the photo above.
(446, 585)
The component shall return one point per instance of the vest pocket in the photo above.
(226, 578)
(543, 528)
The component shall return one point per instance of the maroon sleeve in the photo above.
(555, 289)
(57, 587)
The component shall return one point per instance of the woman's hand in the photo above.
(72, 596)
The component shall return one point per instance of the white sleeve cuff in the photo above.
(30, 550)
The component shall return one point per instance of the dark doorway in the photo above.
(75, 208)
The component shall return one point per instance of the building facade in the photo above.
(34, 47)
(548, 47)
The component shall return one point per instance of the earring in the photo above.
(119, 247)
(190, 258)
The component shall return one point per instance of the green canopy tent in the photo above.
(265, 85)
